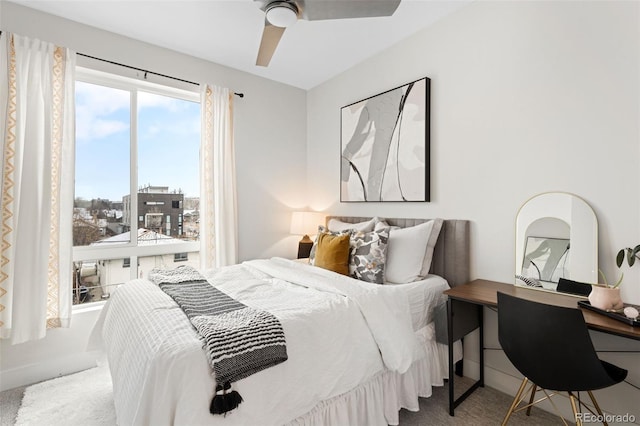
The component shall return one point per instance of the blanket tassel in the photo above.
(224, 401)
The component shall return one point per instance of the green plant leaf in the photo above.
(620, 258)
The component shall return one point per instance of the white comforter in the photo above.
(340, 332)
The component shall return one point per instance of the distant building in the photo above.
(87, 227)
(112, 272)
(158, 210)
(192, 203)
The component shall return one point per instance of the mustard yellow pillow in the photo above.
(333, 253)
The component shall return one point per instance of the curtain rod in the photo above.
(240, 95)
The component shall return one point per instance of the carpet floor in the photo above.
(85, 399)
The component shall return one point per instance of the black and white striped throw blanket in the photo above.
(239, 340)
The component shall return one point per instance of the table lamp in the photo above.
(305, 223)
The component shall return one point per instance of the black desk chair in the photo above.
(551, 347)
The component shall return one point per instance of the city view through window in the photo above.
(120, 233)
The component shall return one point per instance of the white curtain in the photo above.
(218, 206)
(37, 133)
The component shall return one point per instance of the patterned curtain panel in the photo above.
(38, 132)
(218, 206)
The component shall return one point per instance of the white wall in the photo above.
(270, 135)
(527, 97)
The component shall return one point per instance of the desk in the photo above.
(465, 305)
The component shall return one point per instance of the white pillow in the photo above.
(336, 225)
(382, 224)
(408, 252)
(431, 245)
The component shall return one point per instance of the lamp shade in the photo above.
(306, 223)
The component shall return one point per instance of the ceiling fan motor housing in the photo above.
(282, 13)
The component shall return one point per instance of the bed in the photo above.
(357, 352)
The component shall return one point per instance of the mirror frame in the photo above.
(583, 234)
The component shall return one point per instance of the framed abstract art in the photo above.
(384, 150)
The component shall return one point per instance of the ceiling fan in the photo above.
(280, 14)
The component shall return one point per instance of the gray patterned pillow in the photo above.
(368, 255)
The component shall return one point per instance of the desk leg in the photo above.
(466, 321)
(460, 365)
(450, 343)
(481, 337)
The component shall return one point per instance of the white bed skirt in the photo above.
(379, 400)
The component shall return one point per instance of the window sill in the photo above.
(88, 307)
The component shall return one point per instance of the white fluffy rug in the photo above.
(81, 399)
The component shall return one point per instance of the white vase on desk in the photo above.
(605, 298)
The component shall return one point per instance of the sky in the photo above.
(168, 142)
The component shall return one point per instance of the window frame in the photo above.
(131, 249)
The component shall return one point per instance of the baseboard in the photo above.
(471, 369)
(38, 372)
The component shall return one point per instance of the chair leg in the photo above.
(577, 418)
(595, 404)
(516, 401)
(533, 394)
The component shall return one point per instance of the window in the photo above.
(180, 257)
(137, 150)
(153, 220)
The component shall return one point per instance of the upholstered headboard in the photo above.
(451, 255)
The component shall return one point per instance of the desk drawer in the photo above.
(466, 318)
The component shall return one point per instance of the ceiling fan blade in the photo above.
(316, 10)
(271, 36)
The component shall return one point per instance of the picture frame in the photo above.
(385, 146)
(546, 260)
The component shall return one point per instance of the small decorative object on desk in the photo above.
(628, 314)
(605, 297)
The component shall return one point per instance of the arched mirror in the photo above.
(556, 237)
